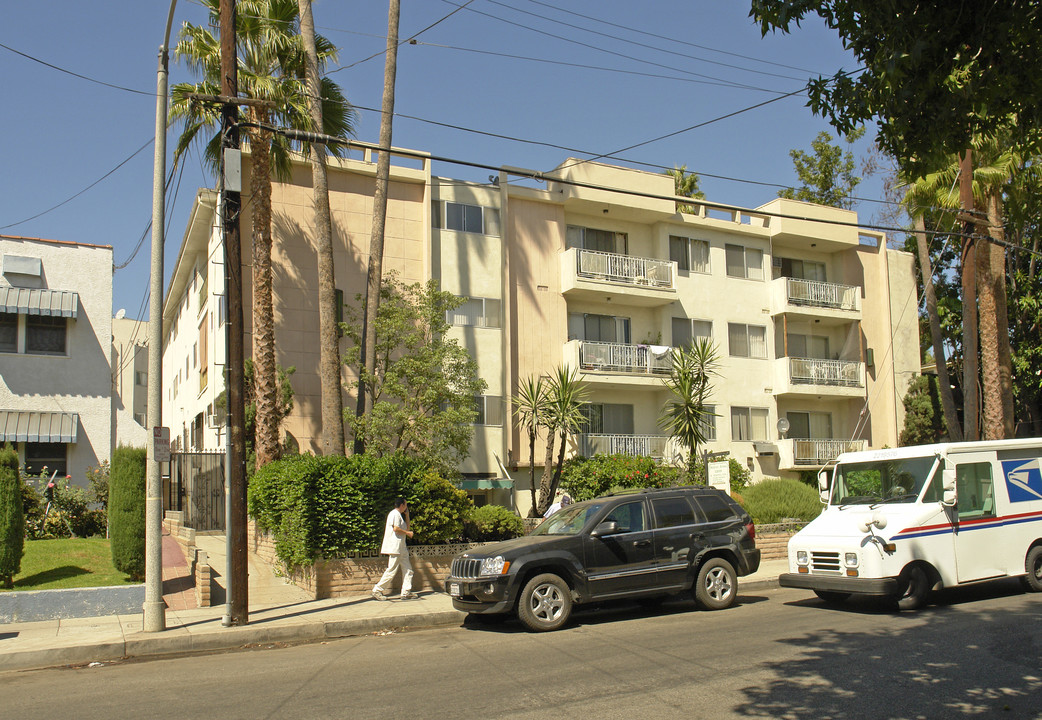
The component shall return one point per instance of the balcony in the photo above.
(619, 365)
(820, 300)
(802, 454)
(652, 446)
(810, 376)
(590, 275)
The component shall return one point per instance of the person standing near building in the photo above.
(395, 532)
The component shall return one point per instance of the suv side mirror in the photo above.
(823, 486)
(950, 496)
(608, 527)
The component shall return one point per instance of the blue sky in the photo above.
(555, 78)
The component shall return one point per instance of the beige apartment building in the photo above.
(593, 267)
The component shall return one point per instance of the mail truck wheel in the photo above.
(545, 603)
(1033, 580)
(717, 584)
(915, 586)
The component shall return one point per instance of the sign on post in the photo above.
(161, 444)
(718, 475)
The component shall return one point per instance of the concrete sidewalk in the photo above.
(100, 639)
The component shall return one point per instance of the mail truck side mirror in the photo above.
(948, 486)
(823, 486)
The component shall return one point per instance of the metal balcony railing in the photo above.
(653, 446)
(813, 293)
(624, 269)
(623, 358)
(819, 452)
(810, 371)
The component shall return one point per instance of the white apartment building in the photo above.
(814, 320)
(130, 380)
(55, 345)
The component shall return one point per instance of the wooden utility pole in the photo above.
(970, 392)
(238, 572)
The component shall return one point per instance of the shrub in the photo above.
(12, 519)
(739, 475)
(584, 478)
(437, 510)
(490, 523)
(127, 511)
(773, 499)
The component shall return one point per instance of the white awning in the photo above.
(31, 426)
(36, 301)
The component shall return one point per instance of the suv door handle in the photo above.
(641, 543)
(698, 536)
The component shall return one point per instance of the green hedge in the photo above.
(774, 499)
(334, 506)
(490, 523)
(584, 478)
(12, 519)
(127, 511)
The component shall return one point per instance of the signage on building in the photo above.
(718, 475)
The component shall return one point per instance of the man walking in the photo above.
(397, 552)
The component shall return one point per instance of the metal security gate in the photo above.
(197, 489)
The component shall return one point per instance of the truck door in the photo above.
(678, 538)
(625, 561)
(978, 534)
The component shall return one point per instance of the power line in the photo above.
(74, 74)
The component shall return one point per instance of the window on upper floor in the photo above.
(687, 331)
(598, 328)
(607, 418)
(599, 240)
(141, 378)
(748, 341)
(476, 312)
(8, 332)
(748, 424)
(45, 335)
(802, 269)
(810, 425)
(463, 217)
(690, 254)
(808, 346)
(489, 409)
(743, 262)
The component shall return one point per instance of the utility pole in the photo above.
(238, 571)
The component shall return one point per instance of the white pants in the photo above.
(393, 563)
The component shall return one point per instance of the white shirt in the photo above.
(393, 544)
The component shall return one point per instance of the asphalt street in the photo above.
(976, 652)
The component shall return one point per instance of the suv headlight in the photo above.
(850, 559)
(802, 558)
(494, 565)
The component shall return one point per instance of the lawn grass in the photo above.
(68, 563)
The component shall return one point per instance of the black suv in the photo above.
(644, 544)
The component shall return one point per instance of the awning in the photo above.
(487, 484)
(30, 426)
(34, 301)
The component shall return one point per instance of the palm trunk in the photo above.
(951, 416)
(265, 381)
(997, 281)
(546, 495)
(970, 365)
(329, 335)
(531, 463)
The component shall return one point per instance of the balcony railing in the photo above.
(819, 452)
(622, 358)
(653, 446)
(813, 293)
(809, 371)
(624, 269)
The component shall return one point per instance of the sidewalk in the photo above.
(99, 639)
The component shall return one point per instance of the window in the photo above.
(489, 409)
(629, 516)
(708, 422)
(747, 340)
(598, 328)
(8, 332)
(714, 508)
(593, 239)
(673, 511)
(975, 490)
(466, 218)
(743, 262)
(748, 424)
(689, 254)
(139, 418)
(475, 312)
(687, 331)
(802, 269)
(808, 346)
(49, 455)
(141, 378)
(810, 425)
(45, 335)
(607, 418)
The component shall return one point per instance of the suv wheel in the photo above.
(545, 603)
(717, 584)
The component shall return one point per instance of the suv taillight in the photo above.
(751, 529)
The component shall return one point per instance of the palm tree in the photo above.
(685, 184)
(566, 395)
(271, 67)
(685, 415)
(530, 404)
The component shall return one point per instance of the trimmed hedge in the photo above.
(584, 478)
(490, 523)
(127, 511)
(774, 499)
(12, 519)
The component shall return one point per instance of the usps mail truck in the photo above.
(901, 523)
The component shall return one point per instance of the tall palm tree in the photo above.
(272, 65)
(530, 404)
(685, 184)
(566, 395)
(685, 415)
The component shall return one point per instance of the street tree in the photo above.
(827, 173)
(530, 404)
(422, 385)
(686, 415)
(566, 395)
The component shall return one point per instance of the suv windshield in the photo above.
(568, 520)
(881, 481)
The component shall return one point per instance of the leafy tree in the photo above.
(685, 184)
(12, 520)
(422, 385)
(530, 404)
(562, 419)
(827, 174)
(923, 421)
(685, 416)
(272, 65)
(127, 511)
